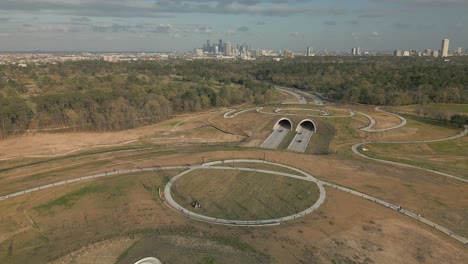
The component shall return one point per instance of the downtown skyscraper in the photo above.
(445, 48)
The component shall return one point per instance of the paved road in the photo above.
(301, 140)
(355, 148)
(317, 100)
(372, 124)
(275, 138)
(301, 175)
(300, 98)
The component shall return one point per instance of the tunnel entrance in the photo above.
(283, 123)
(307, 124)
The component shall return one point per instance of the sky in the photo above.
(181, 25)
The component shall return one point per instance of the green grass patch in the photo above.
(287, 140)
(244, 195)
(68, 200)
(61, 171)
(124, 254)
(78, 154)
(454, 108)
(448, 157)
(320, 142)
(260, 166)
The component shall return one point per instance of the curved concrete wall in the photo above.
(284, 119)
(304, 121)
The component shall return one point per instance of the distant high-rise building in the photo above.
(220, 46)
(198, 52)
(215, 49)
(445, 48)
(406, 53)
(208, 45)
(435, 53)
(459, 51)
(288, 54)
(227, 48)
(310, 51)
(428, 52)
(355, 51)
(397, 53)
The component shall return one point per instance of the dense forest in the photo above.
(373, 80)
(102, 96)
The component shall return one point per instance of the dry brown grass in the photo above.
(346, 227)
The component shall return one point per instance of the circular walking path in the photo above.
(306, 177)
(302, 175)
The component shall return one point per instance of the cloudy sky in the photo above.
(181, 25)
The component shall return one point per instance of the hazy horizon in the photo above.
(155, 26)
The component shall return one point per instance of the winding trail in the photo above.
(231, 111)
(351, 113)
(372, 124)
(355, 148)
(212, 165)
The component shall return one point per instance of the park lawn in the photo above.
(449, 157)
(453, 108)
(241, 195)
(261, 166)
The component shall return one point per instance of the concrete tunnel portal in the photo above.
(283, 123)
(307, 124)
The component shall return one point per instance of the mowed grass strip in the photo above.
(243, 195)
(68, 200)
(453, 108)
(448, 157)
(287, 140)
(260, 166)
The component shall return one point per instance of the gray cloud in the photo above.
(426, 3)
(156, 8)
(400, 25)
(243, 29)
(353, 22)
(4, 19)
(330, 23)
(295, 34)
(80, 19)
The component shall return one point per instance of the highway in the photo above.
(300, 99)
(301, 140)
(314, 97)
(275, 138)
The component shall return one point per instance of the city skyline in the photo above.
(146, 25)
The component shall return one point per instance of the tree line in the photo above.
(102, 96)
(373, 80)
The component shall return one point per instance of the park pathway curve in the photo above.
(212, 165)
(355, 148)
